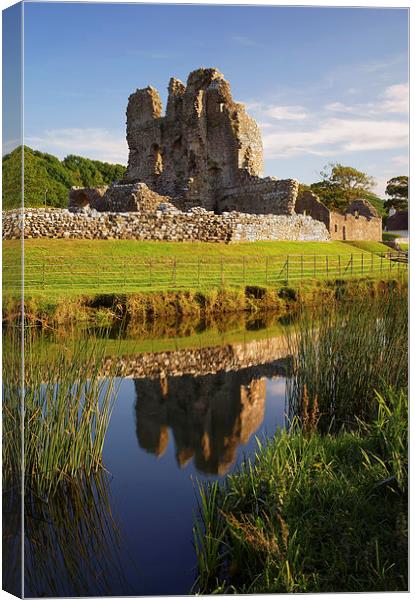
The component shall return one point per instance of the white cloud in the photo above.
(286, 113)
(336, 135)
(396, 99)
(277, 112)
(95, 143)
(338, 107)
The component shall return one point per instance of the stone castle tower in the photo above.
(206, 143)
(205, 152)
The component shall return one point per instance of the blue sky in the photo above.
(325, 84)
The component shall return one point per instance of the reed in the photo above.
(66, 409)
(342, 352)
(312, 512)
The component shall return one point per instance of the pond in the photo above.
(111, 498)
(182, 415)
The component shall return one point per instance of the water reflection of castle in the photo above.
(209, 415)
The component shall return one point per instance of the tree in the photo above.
(341, 185)
(397, 189)
(46, 174)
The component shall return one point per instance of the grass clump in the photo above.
(312, 512)
(343, 351)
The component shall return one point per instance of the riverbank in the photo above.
(106, 309)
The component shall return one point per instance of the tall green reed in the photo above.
(66, 408)
(342, 352)
(312, 512)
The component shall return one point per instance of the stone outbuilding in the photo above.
(360, 221)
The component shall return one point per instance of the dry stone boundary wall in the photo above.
(169, 225)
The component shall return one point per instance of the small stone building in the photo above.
(360, 221)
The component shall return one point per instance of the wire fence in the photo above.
(115, 274)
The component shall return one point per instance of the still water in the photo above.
(181, 416)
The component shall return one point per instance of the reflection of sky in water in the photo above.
(154, 499)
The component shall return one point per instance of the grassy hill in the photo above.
(46, 174)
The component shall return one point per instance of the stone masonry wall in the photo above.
(261, 196)
(360, 221)
(170, 225)
(351, 227)
(308, 203)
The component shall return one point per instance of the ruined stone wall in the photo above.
(261, 196)
(133, 197)
(358, 228)
(360, 221)
(308, 203)
(168, 225)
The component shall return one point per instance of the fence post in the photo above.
(327, 265)
(390, 262)
(340, 266)
(351, 264)
(288, 276)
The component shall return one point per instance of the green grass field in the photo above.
(122, 266)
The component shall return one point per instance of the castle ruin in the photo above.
(205, 152)
(194, 174)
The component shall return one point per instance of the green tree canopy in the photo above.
(397, 190)
(45, 176)
(340, 185)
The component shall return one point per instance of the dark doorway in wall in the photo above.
(344, 232)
